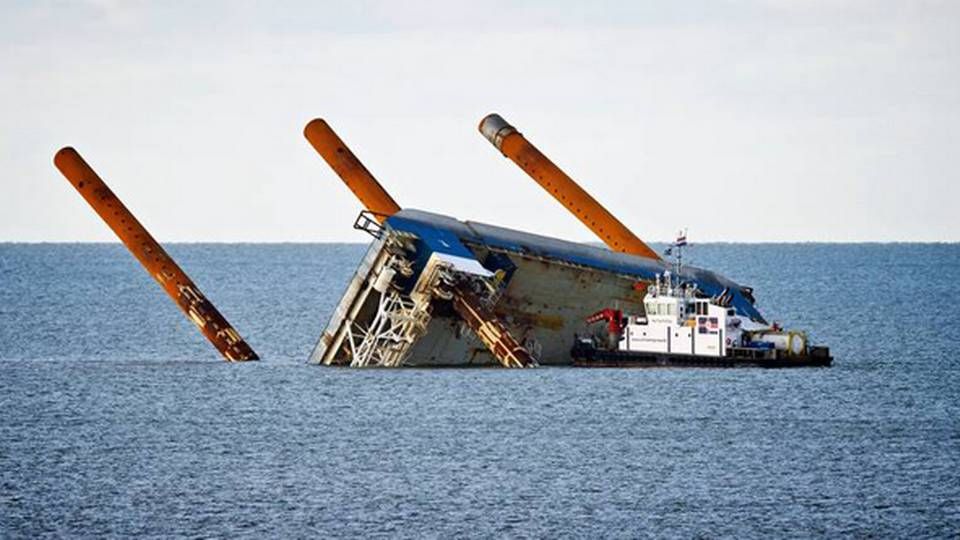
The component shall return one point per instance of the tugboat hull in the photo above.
(584, 355)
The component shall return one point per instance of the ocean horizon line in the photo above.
(597, 244)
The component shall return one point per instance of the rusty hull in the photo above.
(543, 305)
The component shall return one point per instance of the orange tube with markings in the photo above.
(153, 257)
(590, 212)
(343, 162)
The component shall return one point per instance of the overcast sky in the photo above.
(743, 121)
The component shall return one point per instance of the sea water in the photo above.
(118, 418)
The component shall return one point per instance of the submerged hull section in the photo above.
(546, 288)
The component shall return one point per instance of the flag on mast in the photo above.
(681, 239)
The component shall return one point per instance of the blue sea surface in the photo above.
(117, 418)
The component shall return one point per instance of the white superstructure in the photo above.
(678, 322)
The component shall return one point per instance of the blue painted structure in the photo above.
(445, 234)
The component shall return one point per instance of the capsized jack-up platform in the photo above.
(433, 290)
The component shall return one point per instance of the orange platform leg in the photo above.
(152, 256)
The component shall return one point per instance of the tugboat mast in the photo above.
(677, 245)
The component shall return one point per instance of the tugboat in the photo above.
(683, 327)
